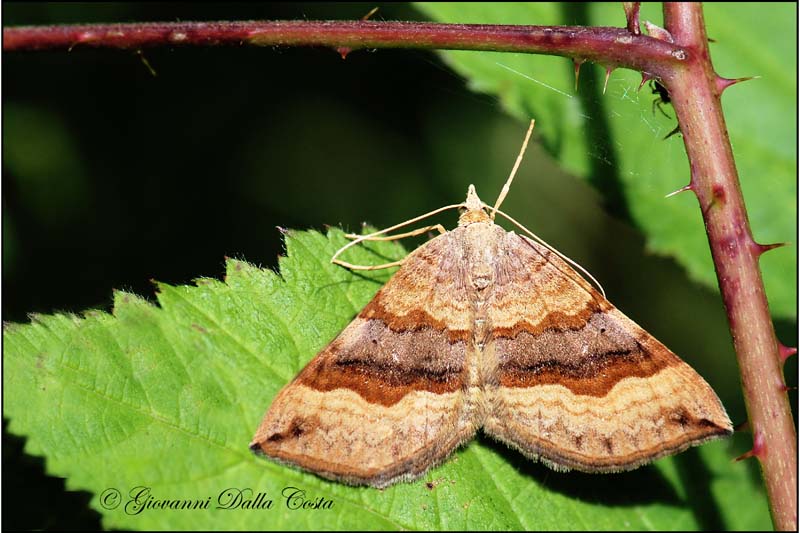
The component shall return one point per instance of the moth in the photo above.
(486, 329)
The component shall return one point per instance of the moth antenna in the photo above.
(392, 228)
(504, 192)
(552, 249)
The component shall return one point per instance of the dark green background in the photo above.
(114, 177)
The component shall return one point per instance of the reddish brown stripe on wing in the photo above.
(377, 384)
(595, 376)
(430, 291)
(383, 365)
(413, 320)
(553, 321)
(588, 359)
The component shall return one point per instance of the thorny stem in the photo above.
(684, 67)
(611, 46)
(695, 91)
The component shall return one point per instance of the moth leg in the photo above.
(361, 238)
(367, 267)
(419, 231)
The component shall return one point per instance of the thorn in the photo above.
(711, 40)
(282, 230)
(745, 455)
(146, 63)
(673, 132)
(759, 447)
(657, 32)
(786, 352)
(343, 51)
(718, 192)
(371, 12)
(682, 189)
(762, 248)
(724, 83)
(608, 73)
(577, 64)
(645, 78)
(632, 16)
(743, 427)
(783, 387)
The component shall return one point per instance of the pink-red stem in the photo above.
(611, 46)
(695, 90)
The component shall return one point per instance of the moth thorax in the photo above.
(471, 216)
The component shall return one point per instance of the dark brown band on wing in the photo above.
(382, 365)
(589, 360)
(376, 384)
(594, 378)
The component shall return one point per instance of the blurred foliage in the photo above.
(615, 139)
(113, 177)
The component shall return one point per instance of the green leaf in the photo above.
(615, 140)
(169, 396)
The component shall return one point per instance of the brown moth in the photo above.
(482, 328)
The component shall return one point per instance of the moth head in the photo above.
(473, 209)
